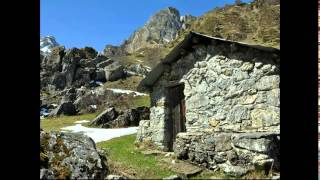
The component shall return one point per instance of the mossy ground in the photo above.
(124, 157)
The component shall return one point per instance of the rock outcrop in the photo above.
(70, 156)
(110, 118)
(137, 70)
(161, 28)
(73, 67)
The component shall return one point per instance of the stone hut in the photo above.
(216, 103)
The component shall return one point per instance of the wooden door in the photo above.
(176, 112)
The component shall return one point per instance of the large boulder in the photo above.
(100, 75)
(70, 62)
(66, 108)
(114, 71)
(137, 69)
(106, 116)
(130, 117)
(70, 156)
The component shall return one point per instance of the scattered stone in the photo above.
(115, 177)
(105, 117)
(66, 108)
(172, 177)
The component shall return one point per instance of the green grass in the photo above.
(55, 123)
(129, 83)
(123, 156)
(139, 101)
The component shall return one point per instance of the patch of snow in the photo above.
(99, 83)
(54, 105)
(81, 121)
(149, 68)
(139, 60)
(93, 106)
(124, 91)
(166, 40)
(100, 134)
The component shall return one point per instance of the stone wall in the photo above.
(234, 153)
(228, 89)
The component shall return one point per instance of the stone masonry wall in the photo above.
(228, 89)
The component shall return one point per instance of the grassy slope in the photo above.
(124, 157)
(129, 83)
(55, 123)
(123, 102)
(253, 23)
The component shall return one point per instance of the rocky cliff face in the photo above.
(47, 43)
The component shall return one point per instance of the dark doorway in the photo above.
(176, 119)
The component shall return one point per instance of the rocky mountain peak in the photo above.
(161, 28)
(47, 43)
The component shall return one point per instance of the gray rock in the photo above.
(223, 142)
(237, 114)
(66, 108)
(46, 174)
(100, 75)
(115, 177)
(257, 142)
(114, 71)
(104, 63)
(172, 177)
(130, 117)
(70, 156)
(87, 63)
(105, 117)
(137, 69)
(235, 171)
(268, 82)
(161, 28)
(111, 50)
(59, 80)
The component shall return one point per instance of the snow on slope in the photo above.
(99, 134)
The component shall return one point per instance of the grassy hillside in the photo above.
(257, 22)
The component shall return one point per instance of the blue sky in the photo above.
(96, 23)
